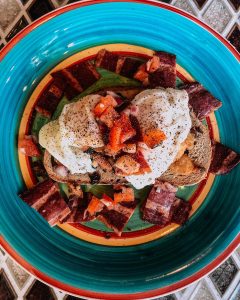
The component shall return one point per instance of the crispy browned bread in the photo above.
(200, 155)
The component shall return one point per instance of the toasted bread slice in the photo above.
(190, 169)
(200, 155)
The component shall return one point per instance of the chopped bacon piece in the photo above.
(78, 205)
(54, 209)
(135, 124)
(163, 77)
(224, 159)
(120, 63)
(47, 104)
(28, 146)
(129, 67)
(192, 87)
(127, 164)
(158, 207)
(180, 211)
(105, 131)
(201, 100)
(144, 166)
(109, 116)
(160, 70)
(106, 60)
(166, 59)
(153, 137)
(39, 194)
(72, 81)
(63, 82)
(85, 73)
(70, 84)
(117, 216)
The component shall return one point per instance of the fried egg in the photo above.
(167, 110)
(76, 128)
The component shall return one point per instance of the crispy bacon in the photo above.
(47, 200)
(62, 81)
(180, 211)
(47, 103)
(117, 216)
(85, 73)
(224, 159)
(125, 66)
(106, 60)
(158, 207)
(158, 71)
(129, 67)
(38, 195)
(201, 100)
(78, 206)
(54, 209)
(163, 77)
(28, 146)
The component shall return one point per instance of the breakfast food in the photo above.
(150, 133)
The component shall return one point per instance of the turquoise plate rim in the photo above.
(101, 295)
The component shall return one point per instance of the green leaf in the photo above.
(98, 190)
(38, 123)
(108, 79)
(59, 109)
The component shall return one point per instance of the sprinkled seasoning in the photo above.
(167, 110)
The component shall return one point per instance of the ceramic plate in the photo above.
(146, 261)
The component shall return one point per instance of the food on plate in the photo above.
(28, 146)
(147, 134)
(201, 101)
(47, 200)
(224, 159)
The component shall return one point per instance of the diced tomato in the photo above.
(109, 116)
(127, 194)
(115, 138)
(153, 137)
(127, 130)
(104, 103)
(144, 166)
(28, 146)
(94, 206)
(127, 164)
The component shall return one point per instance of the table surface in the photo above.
(224, 282)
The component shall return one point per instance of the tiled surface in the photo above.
(222, 15)
(221, 284)
(224, 282)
